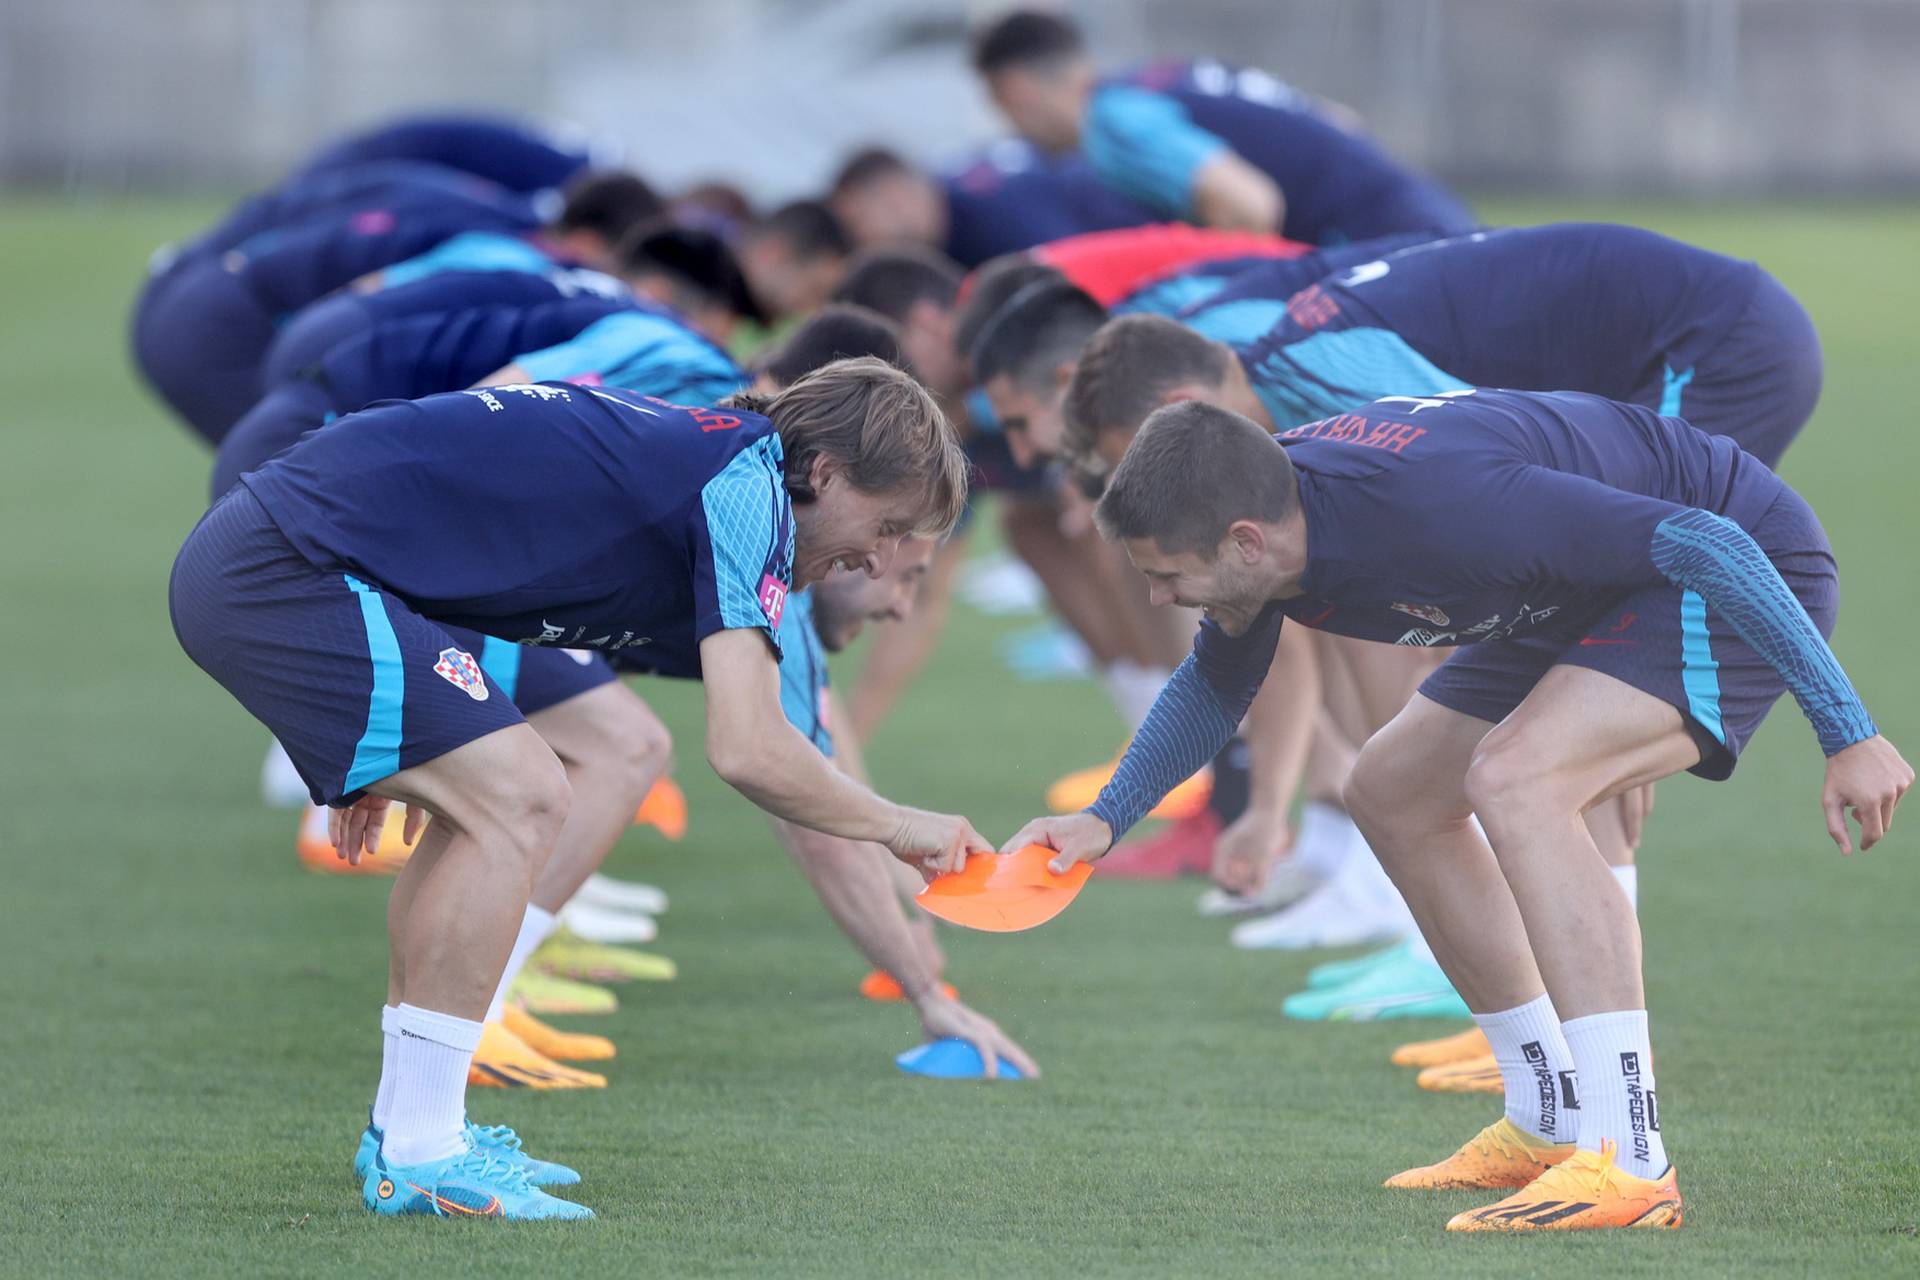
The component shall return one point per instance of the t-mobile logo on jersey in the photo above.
(1640, 1113)
(773, 598)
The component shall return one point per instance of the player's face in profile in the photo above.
(1035, 431)
(845, 602)
(848, 529)
(1042, 108)
(1218, 586)
(900, 208)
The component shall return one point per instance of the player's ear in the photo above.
(821, 473)
(1182, 391)
(1063, 376)
(1249, 540)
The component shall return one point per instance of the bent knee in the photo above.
(532, 807)
(1510, 778)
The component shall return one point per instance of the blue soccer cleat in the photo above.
(1403, 987)
(1338, 973)
(500, 1141)
(496, 1140)
(472, 1184)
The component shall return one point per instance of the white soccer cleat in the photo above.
(622, 895)
(1360, 905)
(1286, 884)
(597, 924)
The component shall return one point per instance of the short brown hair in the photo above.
(1125, 369)
(1192, 471)
(879, 424)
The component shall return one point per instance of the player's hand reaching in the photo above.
(935, 843)
(1869, 778)
(945, 1018)
(1248, 848)
(1078, 837)
(356, 830)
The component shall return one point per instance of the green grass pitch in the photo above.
(189, 1028)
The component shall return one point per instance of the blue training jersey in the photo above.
(1487, 514)
(1584, 306)
(1149, 130)
(1013, 196)
(515, 155)
(289, 265)
(580, 517)
(449, 331)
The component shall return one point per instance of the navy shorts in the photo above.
(199, 336)
(313, 331)
(1666, 642)
(1759, 384)
(355, 685)
(281, 417)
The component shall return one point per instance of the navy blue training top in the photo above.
(581, 517)
(1012, 196)
(515, 155)
(1148, 130)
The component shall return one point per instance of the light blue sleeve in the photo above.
(749, 531)
(1717, 560)
(642, 352)
(803, 673)
(1146, 145)
(1171, 296)
(469, 251)
(1337, 371)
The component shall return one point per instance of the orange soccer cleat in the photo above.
(505, 1061)
(1471, 1043)
(562, 1046)
(1585, 1191)
(317, 853)
(1082, 787)
(664, 809)
(1500, 1155)
(1475, 1075)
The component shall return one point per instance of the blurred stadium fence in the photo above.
(1682, 96)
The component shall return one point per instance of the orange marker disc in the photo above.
(665, 808)
(1004, 893)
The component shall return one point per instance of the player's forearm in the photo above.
(1279, 725)
(784, 774)
(1717, 560)
(1190, 721)
(854, 883)
(1232, 195)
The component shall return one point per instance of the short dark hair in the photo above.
(891, 281)
(1194, 470)
(836, 331)
(867, 165)
(1047, 323)
(809, 228)
(1127, 367)
(608, 203)
(692, 259)
(1025, 38)
(988, 289)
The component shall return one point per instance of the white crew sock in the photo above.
(1629, 878)
(389, 1041)
(1326, 839)
(1612, 1053)
(428, 1108)
(1536, 1068)
(535, 928)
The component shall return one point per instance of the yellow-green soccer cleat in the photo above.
(543, 993)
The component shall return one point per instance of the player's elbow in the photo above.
(736, 757)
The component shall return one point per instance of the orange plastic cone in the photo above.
(1004, 893)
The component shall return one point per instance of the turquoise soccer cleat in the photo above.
(496, 1140)
(1398, 988)
(473, 1184)
(1338, 973)
(500, 1141)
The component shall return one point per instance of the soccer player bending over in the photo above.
(1630, 596)
(319, 590)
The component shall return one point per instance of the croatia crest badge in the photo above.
(457, 668)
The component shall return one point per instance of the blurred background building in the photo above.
(1673, 96)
